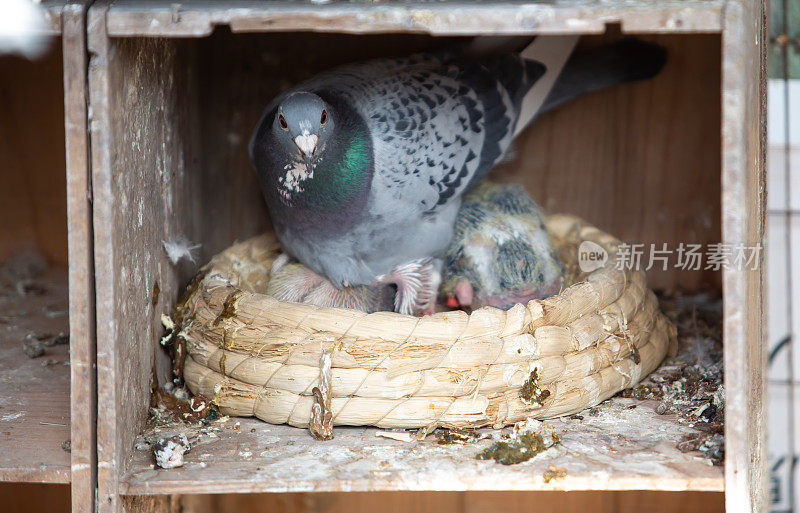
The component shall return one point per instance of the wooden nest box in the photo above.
(161, 100)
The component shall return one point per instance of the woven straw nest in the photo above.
(256, 356)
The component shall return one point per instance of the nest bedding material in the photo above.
(256, 356)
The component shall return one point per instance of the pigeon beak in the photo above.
(307, 144)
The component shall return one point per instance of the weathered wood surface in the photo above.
(198, 18)
(55, 499)
(461, 502)
(82, 326)
(141, 112)
(34, 393)
(743, 214)
(53, 11)
(32, 181)
(618, 449)
(130, 76)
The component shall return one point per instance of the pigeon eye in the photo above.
(282, 122)
(324, 117)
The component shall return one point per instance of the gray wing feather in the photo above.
(428, 128)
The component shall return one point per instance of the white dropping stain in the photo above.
(12, 416)
(297, 172)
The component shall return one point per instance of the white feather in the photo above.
(553, 52)
(180, 248)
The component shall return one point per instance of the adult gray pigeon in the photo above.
(363, 167)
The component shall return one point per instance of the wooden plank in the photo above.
(53, 9)
(108, 452)
(141, 100)
(460, 502)
(596, 502)
(55, 499)
(34, 393)
(127, 343)
(333, 502)
(197, 18)
(83, 349)
(617, 449)
(28, 497)
(32, 155)
(743, 191)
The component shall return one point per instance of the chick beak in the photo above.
(307, 144)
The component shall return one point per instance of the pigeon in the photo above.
(363, 167)
(500, 254)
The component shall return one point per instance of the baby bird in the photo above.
(292, 281)
(398, 291)
(500, 253)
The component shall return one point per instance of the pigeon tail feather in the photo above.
(627, 60)
(553, 52)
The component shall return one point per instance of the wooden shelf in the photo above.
(627, 172)
(617, 449)
(198, 18)
(34, 392)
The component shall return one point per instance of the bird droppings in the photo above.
(66, 445)
(460, 436)
(35, 343)
(531, 392)
(169, 329)
(168, 452)
(690, 384)
(553, 472)
(517, 448)
(527, 439)
(176, 423)
(645, 392)
(172, 403)
(58, 340)
(616, 442)
(33, 349)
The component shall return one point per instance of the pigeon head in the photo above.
(313, 156)
(302, 124)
